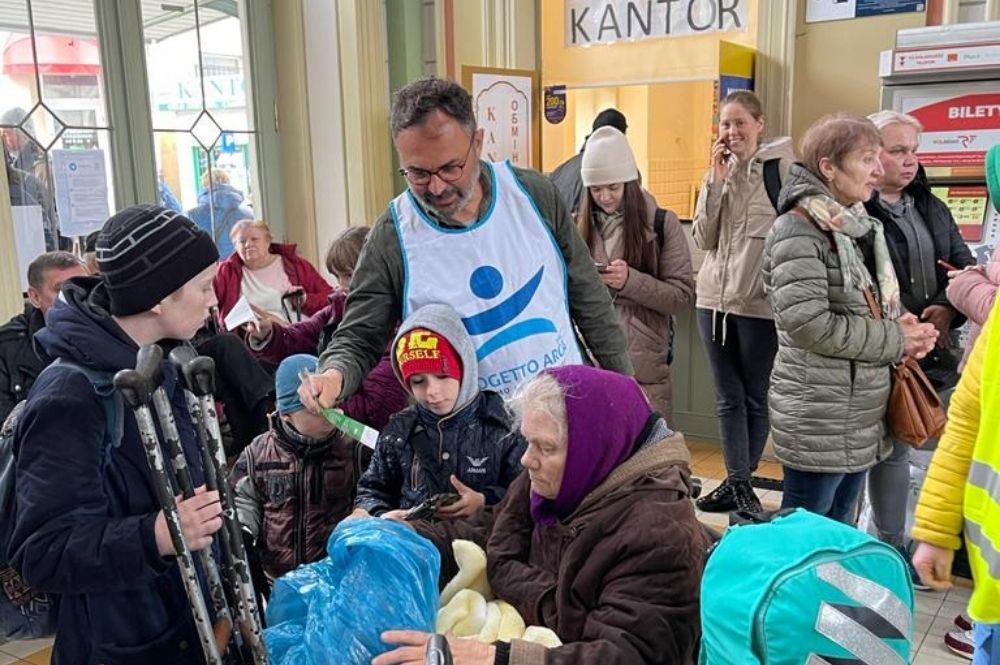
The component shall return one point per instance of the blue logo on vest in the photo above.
(486, 282)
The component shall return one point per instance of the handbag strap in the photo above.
(872, 303)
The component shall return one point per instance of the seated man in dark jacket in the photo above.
(20, 360)
(88, 525)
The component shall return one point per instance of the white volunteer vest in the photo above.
(505, 275)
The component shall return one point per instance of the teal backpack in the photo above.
(801, 589)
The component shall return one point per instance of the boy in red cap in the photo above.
(456, 439)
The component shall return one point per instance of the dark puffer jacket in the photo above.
(20, 361)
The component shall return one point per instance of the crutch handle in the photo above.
(149, 363)
(181, 355)
(199, 375)
(136, 388)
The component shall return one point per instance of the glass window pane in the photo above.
(200, 96)
(214, 188)
(52, 99)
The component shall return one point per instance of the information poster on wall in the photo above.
(29, 238)
(959, 127)
(818, 11)
(81, 184)
(504, 104)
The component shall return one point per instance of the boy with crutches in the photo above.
(89, 524)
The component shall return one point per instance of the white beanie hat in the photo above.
(607, 159)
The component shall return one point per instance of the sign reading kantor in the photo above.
(609, 21)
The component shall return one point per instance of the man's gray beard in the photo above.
(457, 205)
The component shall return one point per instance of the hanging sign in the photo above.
(506, 111)
(555, 103)
(609, 21)
(958, 130)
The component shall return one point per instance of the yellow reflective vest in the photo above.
(962, 489)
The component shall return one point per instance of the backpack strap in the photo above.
(114, 412)
(659, 222)
(659, 226)
(772, 180)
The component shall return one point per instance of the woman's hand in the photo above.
(413, 646)
(918, 338)
(721, 158)
(260, 331)
(616, 275)
(468, 503)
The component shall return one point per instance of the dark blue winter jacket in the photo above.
(216, 213)
(84, 523)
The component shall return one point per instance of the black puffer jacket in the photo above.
(948, 244)
(20, 361)
(417, 452)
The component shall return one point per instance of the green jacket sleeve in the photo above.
(589, 301)
(373, 308)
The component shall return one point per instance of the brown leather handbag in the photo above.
(914, 414)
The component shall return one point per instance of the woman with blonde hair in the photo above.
(272, 276)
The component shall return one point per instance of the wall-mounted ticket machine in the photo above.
(948, 77)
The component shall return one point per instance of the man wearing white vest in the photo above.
(491, 240)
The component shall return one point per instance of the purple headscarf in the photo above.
(605, 414)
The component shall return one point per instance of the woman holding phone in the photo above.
(734, 214)
(645, 263)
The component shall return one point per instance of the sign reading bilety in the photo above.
(610, 21)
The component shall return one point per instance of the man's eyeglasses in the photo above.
(449, 172)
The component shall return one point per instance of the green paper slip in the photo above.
(352, 428)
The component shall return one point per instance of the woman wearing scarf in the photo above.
(831, 378)
(597, 539)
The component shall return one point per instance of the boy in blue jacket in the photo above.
(88, 525)
(456, 439)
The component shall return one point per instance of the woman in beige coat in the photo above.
(735, 211)
(646, 264)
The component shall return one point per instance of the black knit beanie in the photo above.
(146, 252)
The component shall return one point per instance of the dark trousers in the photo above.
(741, 352)
(241, 384)
(832, 495)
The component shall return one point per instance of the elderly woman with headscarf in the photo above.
(597, 540)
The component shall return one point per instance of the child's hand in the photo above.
(468, 503)
(933, 564)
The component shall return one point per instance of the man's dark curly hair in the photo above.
(418, 99)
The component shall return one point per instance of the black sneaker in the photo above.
(720, 500)
(746, 499)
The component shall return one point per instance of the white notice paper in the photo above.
(81, 183)
(239, 314)
(29, 237)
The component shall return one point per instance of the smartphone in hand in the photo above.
(601, 267)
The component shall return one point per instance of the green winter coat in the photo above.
(830, 383)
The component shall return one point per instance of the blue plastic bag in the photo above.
(379, 576)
